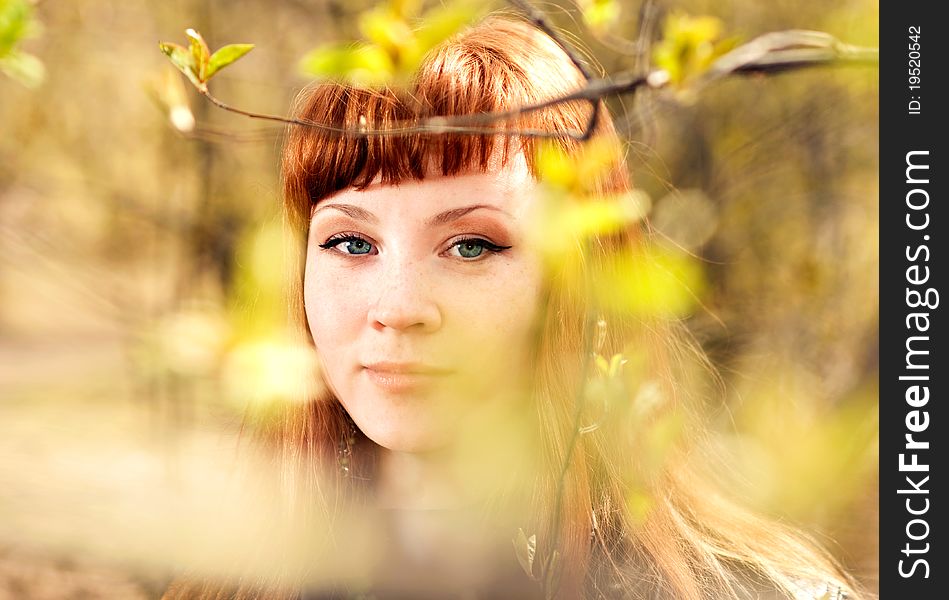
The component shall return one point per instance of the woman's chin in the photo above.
(408, 436)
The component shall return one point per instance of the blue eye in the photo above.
(349, 244)
(358, 247)
(473, 248)
(469, 249)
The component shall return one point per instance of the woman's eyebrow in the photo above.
(353, 211)
(456, 213)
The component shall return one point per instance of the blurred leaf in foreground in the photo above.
(600, 14)
(169, 94)
(17, 24)
(651, 282)
(573, 211)
(689, 46)
(396, 36)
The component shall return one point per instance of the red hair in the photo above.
(691, 543)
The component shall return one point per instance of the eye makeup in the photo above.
(354, 242)
(468, 239)
(472, 248)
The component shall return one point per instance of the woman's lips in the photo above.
(404, 377)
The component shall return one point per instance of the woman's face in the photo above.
(421, 299)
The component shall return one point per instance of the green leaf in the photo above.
(405, 8)
(525, 548)
(183, 60)
(15, 24)
(201, 54)
(600, 14)
(602, 217)
(226, 55)
(443, 22)
(689, 46)
(362, 65)
(555, 167)
(651, 282)
(382, 27)
(25, 68)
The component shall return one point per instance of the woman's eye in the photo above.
(469, 249)
(474, 248)
(349, 244)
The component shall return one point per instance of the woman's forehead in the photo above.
(504, 186)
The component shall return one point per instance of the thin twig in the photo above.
(540, 20)
(595, 90)
(636, 47)
(767, 54)
(792, 49)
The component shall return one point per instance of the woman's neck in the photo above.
(486, 460)
(419, 481)
(442, 529)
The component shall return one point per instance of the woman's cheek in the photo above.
(325, 309)
(498, 313)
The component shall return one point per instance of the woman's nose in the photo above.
(405, 300)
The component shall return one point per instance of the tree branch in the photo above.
(767, 54)
(540, 20)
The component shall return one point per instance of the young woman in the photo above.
(457, 360)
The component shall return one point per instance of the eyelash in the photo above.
(341, 238)
(489, 246)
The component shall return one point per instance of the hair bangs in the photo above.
(484, 70)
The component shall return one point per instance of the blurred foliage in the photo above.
(169, 94)
(649, 281)
(17, 24)
(600, 14)
(397, 35)
(142, 259)
(689, 45)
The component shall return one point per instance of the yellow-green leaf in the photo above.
(600, 14)
(169, 94)
(555, 167)
(362, 65)
(386, 29)
(689, 46)
(17, 23)
(445, 21)
(25, 68)
(201, 54)
(225, 55)
(405, 8)
(652, 282)
(183, 60)
(581, 172)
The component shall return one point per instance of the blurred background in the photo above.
(142, 264)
